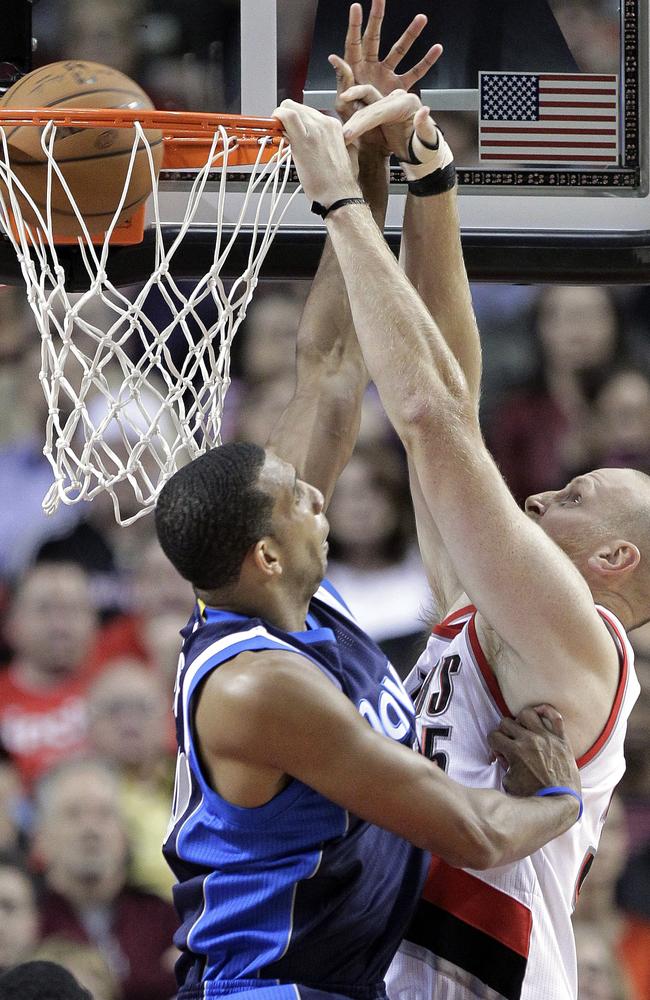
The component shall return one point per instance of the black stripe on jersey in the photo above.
(493, 963)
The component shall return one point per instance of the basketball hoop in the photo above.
(124, 413)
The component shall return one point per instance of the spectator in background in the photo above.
(25, 473)
(51, 628)
(130, 719)
(374, 559)
(600, 976)
(13, 809)
(84, 962)
(597, 916)
(592, 29)
(161, 604)
(269, 344)
(634, 899)
(266, 365)
(41, 981)
(18, 913)
(622, 425)
(541, 435)
(82, 844)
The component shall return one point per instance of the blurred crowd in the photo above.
(90, 613)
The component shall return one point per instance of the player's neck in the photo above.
(618, 604)
(273, 604)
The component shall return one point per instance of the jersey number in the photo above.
(429, 736)
(437, 702)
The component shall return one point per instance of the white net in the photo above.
(131, 399)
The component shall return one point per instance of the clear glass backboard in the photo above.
(535, 205)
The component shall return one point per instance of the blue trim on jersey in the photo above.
(331, 589)
(313, 632)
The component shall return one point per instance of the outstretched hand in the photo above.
(361, 53)
(535, 751)
(361, 63)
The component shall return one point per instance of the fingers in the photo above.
(530, 719)
(411, 77)
(291, 114)
(510, 728)
(396, 107)
(425, 127)
(363, 93)
(404, 43)
(344, 74)
(551, 719)
(372, 34)
(501, 746)
(353, 51)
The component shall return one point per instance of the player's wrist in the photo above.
(571, 795)
(429, 168)
(337, 202)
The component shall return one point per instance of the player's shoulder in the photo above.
(258, 693)
(255, 673)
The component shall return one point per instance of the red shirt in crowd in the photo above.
(135, 939)
(40, 728)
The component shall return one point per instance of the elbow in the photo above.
(474, 847)
(445, 416)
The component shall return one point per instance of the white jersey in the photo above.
(502, 934)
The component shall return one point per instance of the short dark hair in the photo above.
(40, 981)
(211, 512)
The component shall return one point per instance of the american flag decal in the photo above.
(549, 118)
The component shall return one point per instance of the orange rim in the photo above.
(187, 135)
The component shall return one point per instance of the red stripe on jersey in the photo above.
(447, 631)
(618, 698)
(480, 905)
(485, 668)
(453, 623)
(453, 616)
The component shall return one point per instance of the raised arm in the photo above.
(306, 729)
(431, 252)
(526, 588)
(318, 430)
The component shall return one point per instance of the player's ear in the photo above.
(265, 557)
(615, 558)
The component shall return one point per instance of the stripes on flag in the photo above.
(549, 118)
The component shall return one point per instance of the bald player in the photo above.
(535, 604)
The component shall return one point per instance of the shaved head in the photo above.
(597, 512)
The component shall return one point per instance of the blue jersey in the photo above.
(297, 895)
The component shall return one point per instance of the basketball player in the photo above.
(553, 603)
(297, 790)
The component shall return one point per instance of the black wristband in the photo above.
(413, 160)
(436, 183)
(319, 209)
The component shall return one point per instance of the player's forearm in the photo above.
(417, 375)
(326, 328)
(432, 258)
(319, 428)
(512, 828)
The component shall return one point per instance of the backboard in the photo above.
(544, 207)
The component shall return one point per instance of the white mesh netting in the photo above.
(130, 399)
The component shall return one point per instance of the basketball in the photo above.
(94, 161)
